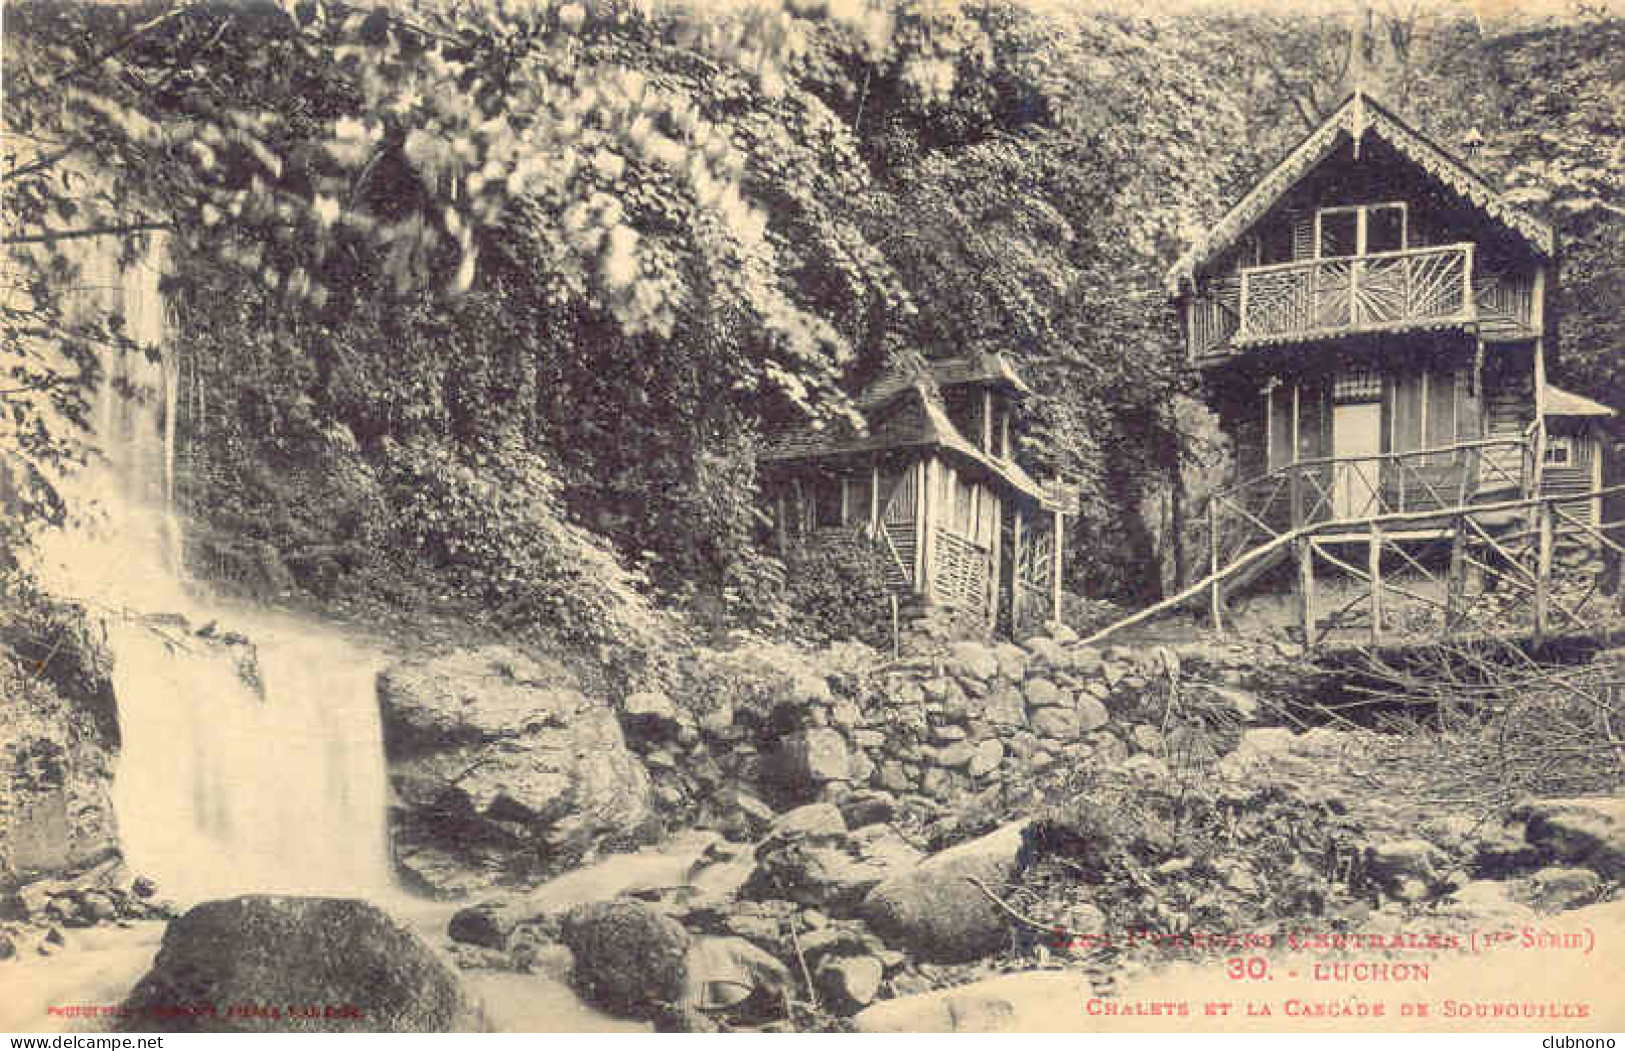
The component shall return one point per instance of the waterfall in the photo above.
(224, 787)
(245, 765)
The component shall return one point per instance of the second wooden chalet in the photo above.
(933, 482)
(1374, 327)
(1368, 309)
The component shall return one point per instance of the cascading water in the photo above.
(222, 791)
(245, 766)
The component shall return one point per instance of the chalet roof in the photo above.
(1562, 403)
(1358, 116)
(921, 423)
(992, 370)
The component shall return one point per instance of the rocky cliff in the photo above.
(59, 741)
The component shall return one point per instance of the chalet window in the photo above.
(1354, 387)
(1276, 242)
(1360, 229)
(1384, 229)
(1297, 424)
(1559, 451)
(1339, 232)
(1280, 426)
(1426, 411)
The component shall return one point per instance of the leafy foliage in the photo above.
(542, 267)
(839, 592)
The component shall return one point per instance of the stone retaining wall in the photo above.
(936, 729)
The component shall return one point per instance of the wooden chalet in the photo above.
(932, 481)
(1373, 324)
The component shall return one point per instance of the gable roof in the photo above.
(992, 370)
(919, 423)
(1358, 116)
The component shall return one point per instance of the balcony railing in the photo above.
(1384, 290)
(1324, 492)
(1357, 292)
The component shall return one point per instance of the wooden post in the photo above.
(1456, 583)
(921, 506)
(1306, 589)
(933, 513)
(1354, 277)
(1241, 322)
(1469, 302)
(1055, 566)
(1543, 571)
(875, 524)
(1374, 570)
(996, 556)
(1215, 592)
(987, 420)
(896, 634)
(1015, 568)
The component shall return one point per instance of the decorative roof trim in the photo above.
(981, 369)
(1358, 116)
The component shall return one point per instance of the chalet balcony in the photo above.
(1383, 291)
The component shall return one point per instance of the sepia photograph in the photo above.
(812, 516)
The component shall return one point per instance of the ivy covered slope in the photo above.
(482, 307)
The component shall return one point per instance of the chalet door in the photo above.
(1356, 443)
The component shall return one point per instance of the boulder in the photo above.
(957, 754)
(1012, 660)
(1084, 660)
(813, 821)
(807, 759)
(630, 958)
(487, 925)
(267, 956)
(650, 712)
(868, 807)
(503, 770)
(973, 660)
(1585, 832)
(731, 973)
(823, 866)
(848, 984)
(1046, 652)
(744, 815)
(1005, 706)
(1405, 868)
(1556, 889)
(986, 759)
(806, 689)
(1026, 1002)
(1059, 724)
(1041, 693)
(1092, 715)
(933, 910)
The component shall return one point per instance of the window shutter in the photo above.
(1303, 236)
